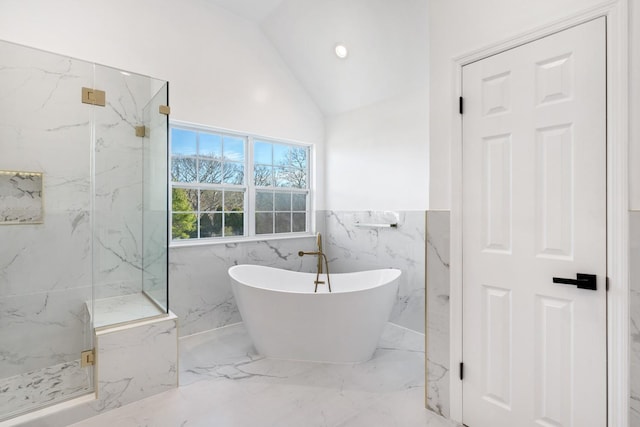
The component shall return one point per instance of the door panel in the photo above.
(534, 208)
(496, 193)
(553, 394)
(497, 352)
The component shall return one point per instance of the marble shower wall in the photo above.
(200, 291)
(634, 312)
(354, 248)
(45, 269)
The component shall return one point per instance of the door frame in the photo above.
(617, 110)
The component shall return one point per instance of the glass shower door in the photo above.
(155, 197)
(130, 254)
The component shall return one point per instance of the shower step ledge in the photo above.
(123, 309)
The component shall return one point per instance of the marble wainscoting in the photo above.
(438, 291)
(634, 312)
(200, 291)
(351, 247)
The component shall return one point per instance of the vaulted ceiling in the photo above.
(386, 39)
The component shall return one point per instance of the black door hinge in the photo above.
(461, 371)
(461, 103)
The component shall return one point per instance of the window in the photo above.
(228, 185)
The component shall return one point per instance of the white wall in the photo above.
(222, 71)
(634, 104)
(378, 156)
(458, 27)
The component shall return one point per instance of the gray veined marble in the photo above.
(136, 361)
(20, 198)
(45, 269)
(36, 388)
(351, 247)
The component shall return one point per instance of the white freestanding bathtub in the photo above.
(287, 320)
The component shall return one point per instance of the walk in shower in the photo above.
(83, 216)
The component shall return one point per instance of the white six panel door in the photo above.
(534, 208)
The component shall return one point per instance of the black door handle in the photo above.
(582, 281)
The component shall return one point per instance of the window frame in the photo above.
(248, 187)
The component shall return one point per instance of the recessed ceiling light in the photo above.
(341, 51)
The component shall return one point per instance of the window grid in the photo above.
(286, 181)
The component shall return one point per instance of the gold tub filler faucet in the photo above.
(321, 256)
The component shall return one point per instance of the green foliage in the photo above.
(184, 225)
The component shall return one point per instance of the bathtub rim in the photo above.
(397, 273)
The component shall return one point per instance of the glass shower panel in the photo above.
(45, 228)
(122, 255)
(155, 184)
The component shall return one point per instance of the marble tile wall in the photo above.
(353, 248)
(200, 291)
(437, 354)
(634, 325)
(45, 269)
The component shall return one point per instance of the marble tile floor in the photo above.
(225, 383)
(31, 390)
(121, 309)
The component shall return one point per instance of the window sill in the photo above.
(236, 240)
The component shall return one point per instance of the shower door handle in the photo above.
(582, 281)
